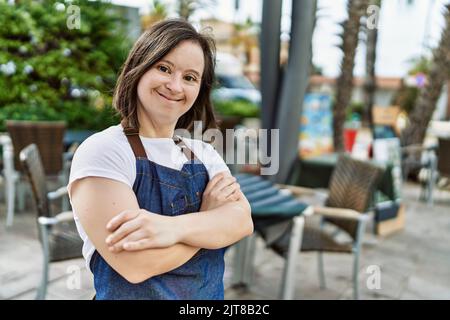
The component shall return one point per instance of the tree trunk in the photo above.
(370, 85)
(344, 86)
(426, 104)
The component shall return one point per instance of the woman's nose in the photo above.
(175, 83)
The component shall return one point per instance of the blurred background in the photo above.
(368, 79)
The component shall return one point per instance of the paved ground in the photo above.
(414, 263)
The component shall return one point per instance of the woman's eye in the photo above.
(163, 69)
(190, 78)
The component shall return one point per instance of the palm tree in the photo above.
(185, 8)
(356, 9)
(158, 13)
(370, 78)
(246, 35)
(439, 73)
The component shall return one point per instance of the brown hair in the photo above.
(151, 47)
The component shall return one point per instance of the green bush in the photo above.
(51, 72)
(239, 108)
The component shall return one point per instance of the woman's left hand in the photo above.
(134, 230)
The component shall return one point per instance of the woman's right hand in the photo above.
(221, 189)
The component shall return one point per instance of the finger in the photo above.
(139, 245)
(132, 237)
(229, 190)
(225, 182)
(235, 196)
(121, 218)
(214, 181)
(123, 231)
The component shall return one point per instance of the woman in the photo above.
(156, 211)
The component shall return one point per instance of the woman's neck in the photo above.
(152, 132)
(150, 129)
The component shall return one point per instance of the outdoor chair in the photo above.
(48, 136)
(350, 195)
(421, 160)
(440, 174)
(57, 233)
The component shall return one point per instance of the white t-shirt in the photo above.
(108, 154)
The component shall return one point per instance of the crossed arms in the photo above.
(138, 244)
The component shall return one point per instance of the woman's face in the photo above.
(171, 86)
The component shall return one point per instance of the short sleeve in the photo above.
(213, 162)
(101, 156)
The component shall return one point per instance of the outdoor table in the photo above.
(315, 172)
(269, 205)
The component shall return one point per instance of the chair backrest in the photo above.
(47, 135)
(31, 162)
(443, 164)
(351, 187)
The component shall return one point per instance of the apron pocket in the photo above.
(179, 205)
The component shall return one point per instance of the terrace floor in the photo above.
(414, 263)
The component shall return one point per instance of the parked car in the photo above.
(236, 87)
(231, 82)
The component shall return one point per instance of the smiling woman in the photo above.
(156, 221)
(169, 89)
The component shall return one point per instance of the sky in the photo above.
(403, 32)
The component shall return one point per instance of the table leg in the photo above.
(243, 261)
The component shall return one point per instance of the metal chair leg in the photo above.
(248, 266)
(356, 252)
(295, 242)
(321, 270)
(42, 290)
(432, 178)
(10, 199)
(355, 276)
(10, 177)
(320, 260)
(239, 262)
(20, 196)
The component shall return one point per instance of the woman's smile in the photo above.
(167, 97)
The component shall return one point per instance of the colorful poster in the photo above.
(316, 126)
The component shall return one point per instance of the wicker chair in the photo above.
(350, 195)
(48, 136)
(58, 234)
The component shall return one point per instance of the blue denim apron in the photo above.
(170, 192)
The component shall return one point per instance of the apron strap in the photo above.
(139, 151)
(135, 142)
